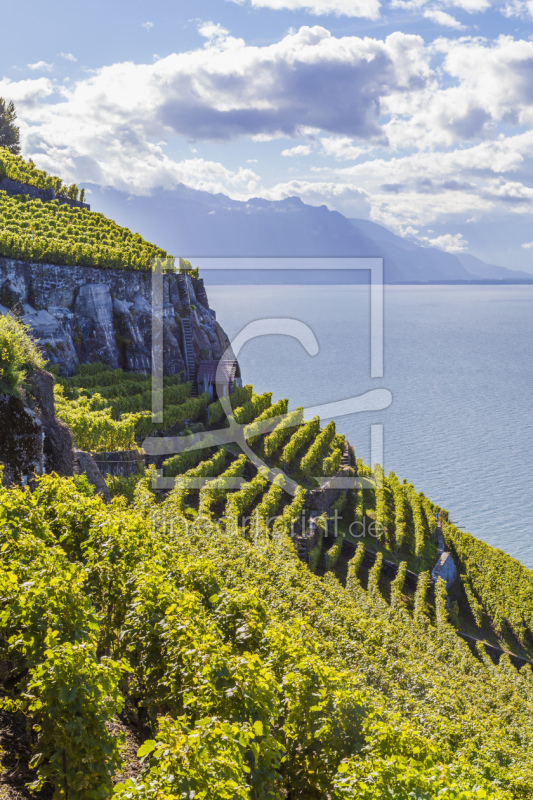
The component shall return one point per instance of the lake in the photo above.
(458, 361)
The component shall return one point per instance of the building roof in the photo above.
(227, 371)
(440, 563)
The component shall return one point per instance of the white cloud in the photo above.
(308, 80)
(453, 243)
(147, 25)
(349, 200)
(470, 6)
(213, 31)
(68, 56)
(527, 245)
(331, 95)
(42, 66)
(518, 8)
(299, 150)
(480, 85)
(442, 18)
(26, 94)
(341, 147)
(348, 8)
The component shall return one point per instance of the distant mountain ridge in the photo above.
(191, 222)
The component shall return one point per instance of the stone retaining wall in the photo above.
(120, 463)
(13, 188)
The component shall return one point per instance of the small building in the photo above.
(445, 568)
(226, 373)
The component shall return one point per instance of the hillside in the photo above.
(195, 629)
(221, 621)
(36, 226)
(196, 223)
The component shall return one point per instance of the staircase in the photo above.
(188, 350)
(183, 291)
(301, 544)
(345, 460)
(186, 329)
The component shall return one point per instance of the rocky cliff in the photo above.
(84, 314)
(32, 440)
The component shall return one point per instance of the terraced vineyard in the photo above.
(18, 169)
(31, 230)
(189, 618)
(108, 409)
(306, 687)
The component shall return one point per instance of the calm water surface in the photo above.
(458, 361)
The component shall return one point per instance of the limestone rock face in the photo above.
(57, 445)
(85, 464)
(21, 440)
(93, 311)
(82, 314)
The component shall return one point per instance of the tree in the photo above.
(9, 132)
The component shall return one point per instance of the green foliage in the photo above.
(253, 408)
(253, 431)
(69, 698)
(441, 596)
(254, 678)
(9, 134)
(241, 501)
(181, 462)
(110, 409)
(284, 523)
(331, 464)
(300, 438)
(18, 354)
(373, 576)
(91, 424)
(353, 585)
(497, 582)
(240, 396)
(314, 453)
(396, 586)
(270, 503)
(334, 552)
(123, 487)
(215, 491)
(55, 233)
(283, 430)
(314, 553)
(49, 631)
(383, 504)
(400, 509)
(475, 606)
(420, 525)
(420, 611)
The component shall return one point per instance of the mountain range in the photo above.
(195, 223)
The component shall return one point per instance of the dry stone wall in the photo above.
(86, 314)
(12, 188)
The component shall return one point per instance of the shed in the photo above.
(227, 373)
(445, 568)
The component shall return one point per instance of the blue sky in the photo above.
(416, 114)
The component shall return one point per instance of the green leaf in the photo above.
(36, 760)
(147, 747)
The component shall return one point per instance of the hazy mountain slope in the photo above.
(420, 263)
(195, 223)
(480, 269)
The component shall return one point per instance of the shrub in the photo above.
(18, 354)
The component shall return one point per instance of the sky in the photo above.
(416, 114)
